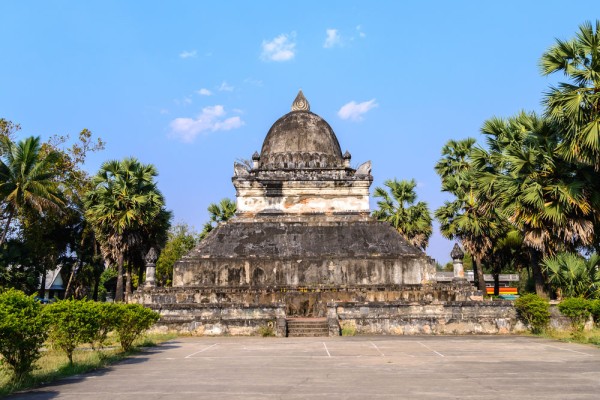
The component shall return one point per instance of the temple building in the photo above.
(301, 244)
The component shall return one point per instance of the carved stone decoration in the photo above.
(364, 168)
(300, 103)
(255, 160)
(457, 263)
(457, 252)
(347, 158)
(150, 259)
(240, 169)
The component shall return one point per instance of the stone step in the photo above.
(307, 327)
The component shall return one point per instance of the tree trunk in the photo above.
(42, 293)
(128, 281)
(480, 278)
(538, 276)
(140, 276)
(11, 213)
(496, 275)
(475, 275)
(119, 289)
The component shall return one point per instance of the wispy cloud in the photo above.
(225, 87)
(188, 54)
(204, 92)
(211, 119)
(354, 111)
(282, 48)
(360, 31)
(333, 38)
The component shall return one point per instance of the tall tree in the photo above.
(27, 180)
(536, 190)
(399, 207)
(219, 213)
(575, 105)
(123, 202)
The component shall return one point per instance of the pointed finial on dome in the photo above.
(300, 103)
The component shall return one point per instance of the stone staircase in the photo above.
(307, 327)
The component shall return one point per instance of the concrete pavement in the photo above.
(382, 367)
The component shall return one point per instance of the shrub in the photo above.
(266, 330)
(72, 322)
(133, 320)
(23, 330)
(595, 310)
(108, 318)
(534, 310)
(348, 328)
(577, 310)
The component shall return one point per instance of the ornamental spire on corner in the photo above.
(300, 103)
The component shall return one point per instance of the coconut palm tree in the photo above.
(27, 180)
(575, 105)
(412, 220)
(123, 202)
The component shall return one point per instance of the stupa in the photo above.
(302, 238)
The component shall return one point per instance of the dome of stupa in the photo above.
(301, 139)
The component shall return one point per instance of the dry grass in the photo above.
(586, 337)
(54, 364)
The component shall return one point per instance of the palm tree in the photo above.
(123, 202)
(465, 218)
(537, 191)
(571, 275)
(575, 105)
(412, 221)
(219, 213)
(27, 180)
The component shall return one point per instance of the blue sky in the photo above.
(192, 86)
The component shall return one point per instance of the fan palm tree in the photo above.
(27, 180)
(465, 218)
(123, 202)
(539, 192)
(571, 275)
(575, 105)
(219, 213)
(412, 220)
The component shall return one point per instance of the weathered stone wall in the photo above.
(401, 318)
(219, 319)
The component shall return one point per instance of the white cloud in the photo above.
(333, 38)
(354, 111)
(211, 119)
(282, 48)
(204, 92)
(360, 32)
(188, 54)
(225, 87)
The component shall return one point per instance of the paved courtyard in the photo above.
(432, 367)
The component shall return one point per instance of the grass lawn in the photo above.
(54, 364)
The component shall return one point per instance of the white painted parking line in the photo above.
(430, 349)
(561, 348)
(200, 351)
(377, 348)
(324, 345)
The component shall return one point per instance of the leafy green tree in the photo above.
(219, 213)
(534, 189)
(123, 204)
(27, 180)
(181, 240)
(575, 105)
(412, 220)
(23, 330)
(571, 275)
(72, 322)
(466, 218)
